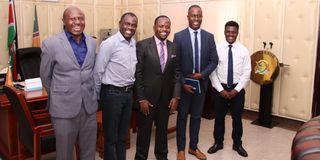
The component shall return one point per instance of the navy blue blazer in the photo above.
(209, 57)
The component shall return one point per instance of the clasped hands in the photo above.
(145, 105)
(228, 94)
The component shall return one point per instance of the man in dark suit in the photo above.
(66, 72)
(198, 59)
(157, 88)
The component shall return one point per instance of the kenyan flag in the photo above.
(12, 38)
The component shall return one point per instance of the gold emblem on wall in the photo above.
(262, 67)
(265, 67)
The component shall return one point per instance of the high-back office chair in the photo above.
(36, 136)
(28, 60)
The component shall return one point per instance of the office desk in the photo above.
(8, 131)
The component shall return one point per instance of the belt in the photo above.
(121, 89)
(225, 86)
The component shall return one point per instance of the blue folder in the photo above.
(194, 83)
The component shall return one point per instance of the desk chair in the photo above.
(35, 135)
(28, 60)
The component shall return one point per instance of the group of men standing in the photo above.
(155, 72)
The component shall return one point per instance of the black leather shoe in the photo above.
(241, 151)
(215, 148)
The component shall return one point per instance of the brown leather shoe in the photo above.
(197, 153)
(181, 155)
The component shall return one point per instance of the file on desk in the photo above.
(194, 83)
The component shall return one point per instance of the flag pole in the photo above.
(12, 38)
(36, 35)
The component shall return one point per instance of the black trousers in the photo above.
(222, 106)
(159, 115)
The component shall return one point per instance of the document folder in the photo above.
(194, 83)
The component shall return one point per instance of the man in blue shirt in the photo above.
(66, 71)
(114, 77)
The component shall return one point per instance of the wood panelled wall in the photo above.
(292, 25)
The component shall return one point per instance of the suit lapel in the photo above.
(189, 43)
(154, 52)
(169, 51)
(67, 46)
(88, 43)
(202, 47)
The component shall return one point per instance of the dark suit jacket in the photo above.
(209, 57)
(150, 81)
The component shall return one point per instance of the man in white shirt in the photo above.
(229, 80)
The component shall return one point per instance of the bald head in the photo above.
(70, 9)
(74, 21)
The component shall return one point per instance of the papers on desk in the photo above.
(33, 84)
(194, 83)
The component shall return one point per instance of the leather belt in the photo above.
(121, 89)
(225, 86)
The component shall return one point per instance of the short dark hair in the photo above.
(193, 6)
(232, 23)
(127, 13)
(161, 16)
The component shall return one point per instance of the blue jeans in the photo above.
(116, 115)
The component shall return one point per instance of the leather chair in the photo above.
(35, 134)
(28, 62)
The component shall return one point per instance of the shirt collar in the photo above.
(226, 44)
(70, 37)
(192, 31)
(122, 39)
(158, 41)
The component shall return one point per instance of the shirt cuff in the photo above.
(219, 88)
(238, 88)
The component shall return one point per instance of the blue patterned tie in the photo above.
(196, 53)
(230, 67)
(162, 56)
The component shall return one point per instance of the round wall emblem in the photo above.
(265, 67)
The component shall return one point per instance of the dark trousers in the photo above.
(189, 104)
(116, 115)
(159, 115)
(222, 106)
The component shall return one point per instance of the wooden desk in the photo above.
(8, 131)
(36, 96)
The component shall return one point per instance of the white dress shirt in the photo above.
(241, 66)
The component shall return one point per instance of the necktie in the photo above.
(196, 53)
(162, 56)
(230, 67)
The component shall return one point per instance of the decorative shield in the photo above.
(265, 67)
